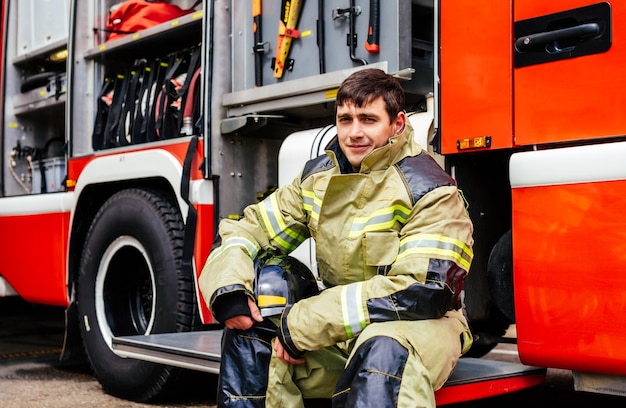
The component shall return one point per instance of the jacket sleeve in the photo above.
(425, 280)
(277, 224)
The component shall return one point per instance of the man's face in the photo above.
(361, 130)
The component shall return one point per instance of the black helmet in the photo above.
(281, 280)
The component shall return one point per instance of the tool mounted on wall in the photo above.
(350, 13)
(259, 46)
(287, 31)
(372, 44)
(321, 40)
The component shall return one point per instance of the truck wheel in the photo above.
(500, 276)
(130, 283)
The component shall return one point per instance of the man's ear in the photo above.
(399, 123)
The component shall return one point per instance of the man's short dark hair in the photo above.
(364, 86)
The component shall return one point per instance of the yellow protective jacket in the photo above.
(393, 242)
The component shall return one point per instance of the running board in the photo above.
(472, 378)
(198, 351)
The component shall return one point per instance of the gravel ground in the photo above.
(42, 384)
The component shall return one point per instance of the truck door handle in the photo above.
(561, 40)
(563, 35)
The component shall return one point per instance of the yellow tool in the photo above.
(286, 33)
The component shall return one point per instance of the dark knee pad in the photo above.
(373, 376)
(244, 368)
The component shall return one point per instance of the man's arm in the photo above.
(276, 224)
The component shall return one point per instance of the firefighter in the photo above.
(393, 246)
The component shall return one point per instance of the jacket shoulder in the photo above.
(316, 165)
(422, 174)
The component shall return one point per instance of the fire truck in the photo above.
(131, 128)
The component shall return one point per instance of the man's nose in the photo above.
(356, 129)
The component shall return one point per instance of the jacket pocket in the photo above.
(380, 248)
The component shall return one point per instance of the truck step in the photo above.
(198, 351)
(472, 378)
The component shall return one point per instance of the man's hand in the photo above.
(243, 322)
(283, 355)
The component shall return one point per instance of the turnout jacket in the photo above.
(393, 242)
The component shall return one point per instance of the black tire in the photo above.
(131, 283)
(500, 276)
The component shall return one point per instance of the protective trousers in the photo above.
(391, 364)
